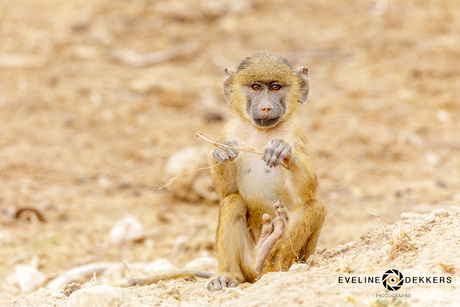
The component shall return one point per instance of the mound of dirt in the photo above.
(423, 248)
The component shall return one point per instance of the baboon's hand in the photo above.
(277, 151)
(224, 155)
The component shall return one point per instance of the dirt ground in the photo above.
(96, 96)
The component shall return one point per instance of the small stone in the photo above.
(430, 219)
(70, 288)
(27, 277)
(191, 178)
(127, 229)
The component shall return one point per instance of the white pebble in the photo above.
(192, 178)
(430, 219)
(27, 277)
(127, 229)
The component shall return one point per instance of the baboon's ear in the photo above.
(228, 78)
(304, 84)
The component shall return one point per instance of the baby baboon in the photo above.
(264, 92)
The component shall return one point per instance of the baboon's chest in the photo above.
(258, 187)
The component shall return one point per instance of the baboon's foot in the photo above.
(220, 282)
(271, 232)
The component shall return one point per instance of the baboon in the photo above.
(269, 215)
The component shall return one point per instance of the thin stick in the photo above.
(248, 146)
(378, 216)
(170, 181)
(222, 146)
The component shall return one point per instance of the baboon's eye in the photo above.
(275, 87)
(256, 87)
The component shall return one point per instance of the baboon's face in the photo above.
(266, 102)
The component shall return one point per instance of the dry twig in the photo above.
(378, 216)
(400, 240)
(223, 146)
(170, 181)
(245, 149)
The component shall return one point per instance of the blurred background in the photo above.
(97, 96)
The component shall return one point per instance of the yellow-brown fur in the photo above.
(247, 190)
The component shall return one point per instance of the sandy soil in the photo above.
(96, 96)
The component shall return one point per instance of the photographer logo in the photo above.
(393, 280)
